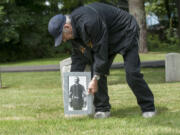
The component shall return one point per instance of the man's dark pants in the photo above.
(135, 81)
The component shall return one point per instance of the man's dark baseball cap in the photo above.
(55, 28)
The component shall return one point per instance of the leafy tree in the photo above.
(23, 30)
(23, 27)
(165, 10)
(1, 13)
(70, 5)
(178, 10)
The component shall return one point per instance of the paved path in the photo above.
(144, 64)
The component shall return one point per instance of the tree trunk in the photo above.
(178, 8)
(137, 9)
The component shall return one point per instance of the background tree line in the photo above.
(24, 34)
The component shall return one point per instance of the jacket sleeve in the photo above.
(78, 62)
(93, 29)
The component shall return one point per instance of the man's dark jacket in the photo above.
(100, 31)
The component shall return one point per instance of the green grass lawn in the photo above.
(48, 61)
(32, 104)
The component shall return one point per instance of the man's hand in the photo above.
(93, 86)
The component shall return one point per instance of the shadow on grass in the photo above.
(132, 111)
(49, 110)
(4, 88)
(151, 76)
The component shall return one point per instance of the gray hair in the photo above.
(68, 19)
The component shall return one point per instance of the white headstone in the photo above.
(172, 67)
(65, 66)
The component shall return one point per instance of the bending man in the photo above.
(98, 32)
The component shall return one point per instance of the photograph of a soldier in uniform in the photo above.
(77, 94)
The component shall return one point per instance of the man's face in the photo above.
(67, 32)
(76, 80)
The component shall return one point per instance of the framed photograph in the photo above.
(77, 101)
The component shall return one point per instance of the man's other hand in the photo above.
(93, 86)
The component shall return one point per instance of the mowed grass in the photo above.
(49, 61)
(32, 104)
